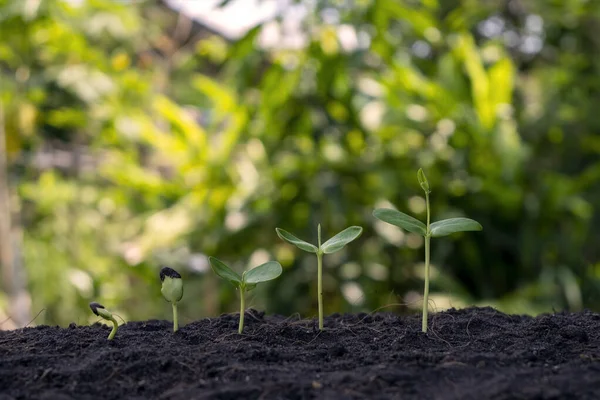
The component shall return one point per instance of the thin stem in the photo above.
(242, 308)
(320, 278)
(428, 213)
(114, 329)
(320, 287)
(175, 318)
(426, 291)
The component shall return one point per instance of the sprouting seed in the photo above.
(103, 313)
(172, 290)
(334, 244)
(437, 229)
(248, 281)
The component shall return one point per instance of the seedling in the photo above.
(172, 290)
(103, 313)
(248, 281)
(334, 244)
(437, 229)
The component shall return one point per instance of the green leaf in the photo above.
(263, 273)
(301, 244)
(452, 225)
(224, 271)
(401, 220)
(341, 239)
(172, 289)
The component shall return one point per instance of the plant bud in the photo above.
(423, 180)
(99, 310)
(172, 284)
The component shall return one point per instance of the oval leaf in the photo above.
(452, 225)
(224, 271)
(263, 273)
(341, 239)
(401, 220)
(301, 244)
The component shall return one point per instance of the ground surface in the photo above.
(476, 353)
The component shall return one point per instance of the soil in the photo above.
(474, 353)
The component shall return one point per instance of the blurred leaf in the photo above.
(340, 240)
(401, 220)
(301, 244)
(452, 225)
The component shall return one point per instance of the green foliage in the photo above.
(299, 243)
(440, 228)
(401, 220)
(340, 240)
(221, 269)
(263, 273)
(336, 243)
(248, 281)
(453, 225)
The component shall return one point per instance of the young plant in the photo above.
(103, 313)
(248, 281)
(437, 229)
(172, 290)
(331, 246)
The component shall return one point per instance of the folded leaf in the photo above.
(341, 239)
(452, 225)
(301, 244)
(423, 180)
(224, 271)
(401, 220)
(263, 273)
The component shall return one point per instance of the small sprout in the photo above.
(172, 290)
(248, 281)
(103, 313)
(334, 244)
(423, 180)
(437, 229)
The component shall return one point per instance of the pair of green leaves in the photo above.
(334, 244)
(249, 279)
(436, 229)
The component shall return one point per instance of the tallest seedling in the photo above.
(437, 229)
(331, 246)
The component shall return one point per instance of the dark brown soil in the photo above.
(475, 353)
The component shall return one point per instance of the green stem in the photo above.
(320, 287)
(428, 213)
(175, 318)
(320, 279)
(114, 329)
(242, 308)
(426, 291)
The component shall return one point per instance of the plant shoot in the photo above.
(99, 310)
(172, 291)
(428, 231)
(248, 281)
(334, 244)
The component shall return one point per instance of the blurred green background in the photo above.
(147, 133)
